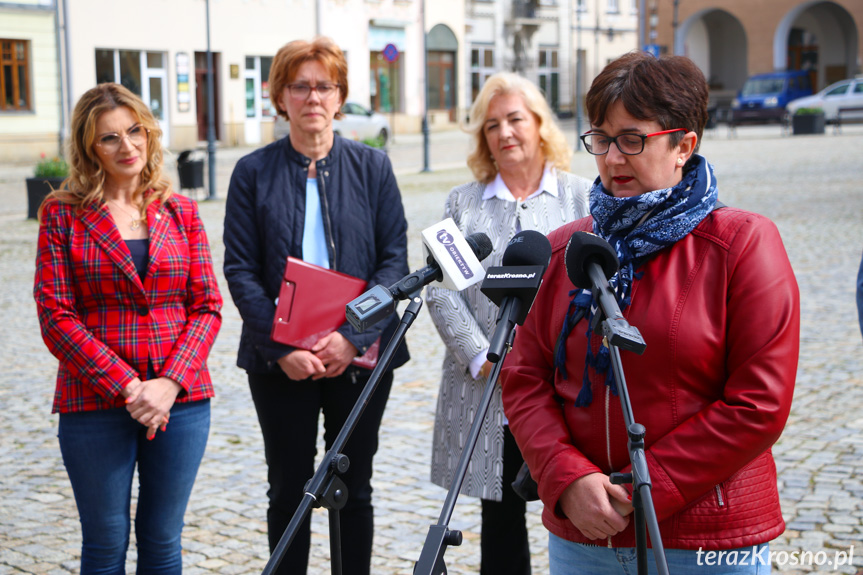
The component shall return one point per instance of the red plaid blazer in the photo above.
(104, 324)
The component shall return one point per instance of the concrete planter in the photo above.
(807, 124)
(37, 190)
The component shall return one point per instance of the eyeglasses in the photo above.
(112, 141)
(303, 91)
(629, 144)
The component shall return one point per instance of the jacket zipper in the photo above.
(719, 497)
(328, 226)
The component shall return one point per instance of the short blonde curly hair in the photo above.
(554, 144)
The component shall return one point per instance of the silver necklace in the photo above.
(136, 221)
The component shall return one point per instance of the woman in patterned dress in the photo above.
(519, 159)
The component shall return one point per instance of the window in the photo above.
(15, 75)
(385, 82)
(481, 67)
(257, 79)
(549, 77)
(613, 6)
(441, 92)
(143, 73)
(839, 90)
(131, 68)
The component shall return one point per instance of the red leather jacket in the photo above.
(720, 313)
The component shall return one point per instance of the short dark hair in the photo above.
(671, 90)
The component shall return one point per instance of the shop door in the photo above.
(441, 94)
(201, 94)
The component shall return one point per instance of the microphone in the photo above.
(590, 262)
(445, 247)
(513, 286)
(453, 260)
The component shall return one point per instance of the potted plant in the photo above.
(807, 121)
(47, 176)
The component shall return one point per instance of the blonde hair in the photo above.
(85, 185)
(554, 144)
(294, 54)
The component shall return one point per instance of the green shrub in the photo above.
(376, 142)
(808, 111)
(53, 168)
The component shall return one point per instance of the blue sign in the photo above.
(652, 49)
(391, 53)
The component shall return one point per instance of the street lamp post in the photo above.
(674, 24)
(641, 23)
(425, 120)
(578, 78)
(211, 120)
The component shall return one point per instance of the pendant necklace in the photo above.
(136, 222)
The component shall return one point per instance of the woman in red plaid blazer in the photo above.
(129, 305)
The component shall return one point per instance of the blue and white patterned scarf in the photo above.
(636, 227)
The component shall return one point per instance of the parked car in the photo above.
(358, 123)
(764, 97)
(843, 94)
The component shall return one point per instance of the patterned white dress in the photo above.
(465, 320)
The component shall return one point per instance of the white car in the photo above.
(359, 123)
(843, 94)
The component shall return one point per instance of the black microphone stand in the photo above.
(618, 333)
(431, 561)
(326, 488)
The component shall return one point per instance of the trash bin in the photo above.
(190, 165)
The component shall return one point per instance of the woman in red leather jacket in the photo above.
(713, 294)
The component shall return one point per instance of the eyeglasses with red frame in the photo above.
(629, 144)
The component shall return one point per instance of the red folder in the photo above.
(311, 305)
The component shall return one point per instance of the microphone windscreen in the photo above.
(480, 244)
(584, 247)
(527, 248)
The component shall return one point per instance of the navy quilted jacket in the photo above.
(365, 231)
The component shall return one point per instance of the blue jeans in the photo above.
(568, 558)
(100, 450)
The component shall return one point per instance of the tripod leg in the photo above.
(335, 542)
(640, 534)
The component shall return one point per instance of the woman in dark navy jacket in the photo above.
(334, 203)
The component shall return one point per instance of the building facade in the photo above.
(160, 53)
(602, 31)
(733, 39)
(530, 38)
(30, 84)
(394, 68)
(560, 45)
(384, 45)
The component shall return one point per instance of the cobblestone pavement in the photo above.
(810, 186)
